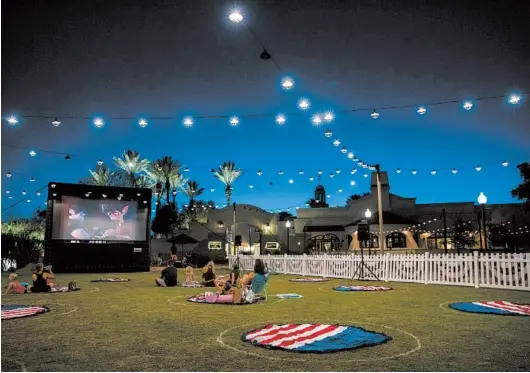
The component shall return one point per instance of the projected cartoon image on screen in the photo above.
(99, 220)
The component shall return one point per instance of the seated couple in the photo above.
(42, 282)
(236, 290)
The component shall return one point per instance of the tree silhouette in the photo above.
(522, 191)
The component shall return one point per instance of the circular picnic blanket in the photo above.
(200, 298)
(313, 338)
(361, 288)
(13, 311)
(192, 284)
(308, 279)
(112, 280)
(498, 307)
(289, 296)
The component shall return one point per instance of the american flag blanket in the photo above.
(308, 279)
(313, 338)
(361, 288)
(112, 280)
(497, 307)
(17, 311)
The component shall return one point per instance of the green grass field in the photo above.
(138, 327)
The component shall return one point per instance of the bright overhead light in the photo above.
(280, 119)
(422, 110)
(328, 133)
(332, 175)
(351, 155)
(353, 171)
(259, 173)
(56, 122)
(328, 116)
(337, 171)
(98, 122)
(352, 183)
(234, 121)
(251, 186)
(100, 162)
(319, 172)
(468, 105)
(32, 179)
(311, 178)
(433, 172)
(304, 104)
(291, 181)
(142, 123)
(375, 114)
(235, 16)
(414, 172)
(344, 150)
(478, 168)
(505, 164)
(212, 190)
(9, 174)
(280, 173)
(317, 120)
(340, 190)
(514, 99)
(32, 153)
(301, 172)
(336, 142)
(482, 199)
(287, 83)
(398, 171)
(23, 192)
(12, 120)
(365, 175)
(454, 170)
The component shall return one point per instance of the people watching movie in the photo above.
(224, 286)
(189, 278)
(168, 277)
(260, 271)
(40, 279)
(209, 276)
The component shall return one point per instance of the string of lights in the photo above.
(281, 119)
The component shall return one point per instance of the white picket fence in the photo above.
(503, 271)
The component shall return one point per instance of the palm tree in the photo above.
(131, 164)
(167, 167)
(102, 176)
(177, 183)
(156, 182)
(227, 174)
(192, 190)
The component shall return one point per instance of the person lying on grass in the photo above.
(14, 286)
(168, 277)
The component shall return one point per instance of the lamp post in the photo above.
(368, 215)
(288, 227)
(482, 200)
(379, 205)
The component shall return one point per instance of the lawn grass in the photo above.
(139, 327)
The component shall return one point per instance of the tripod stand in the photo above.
(359, 273)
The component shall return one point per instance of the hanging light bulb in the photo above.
(336, 142)
(280, 119)
(280, 173)
(514, 99)
(505, 164)
(468, 105)
(301, 172)
(398, 171)
(291, 181)
(32, 153)
(352, 183)
(56, 122)
(311, 178)
(259, 173)
(328, 133)
(332, 175)
(365, 175)
(100, 162)
(340, 190)
(316, 120)
(422, 110)
(478, 168)
(28, 200)
(187, 122)
(414, 172)
(454, 171)
(344, 150)
(235, 16)
(12, 120)
(212, 190)
(234, 121)
(287, 83)
(31, 179)
(304, 104)
(319, 172)
(251, 186)
(142, 123)
(186, 169)
(375, 114)
(23, 192)
(98, 122)
(8, 191)
(350, 155)
(337, 171)
(8, 174)
(353, 171)
(328, 116)
(38, 193)
(433, 172)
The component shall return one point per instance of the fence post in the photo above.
(387, 267)
(304, 265)
(325, 265)
(476, 268)
(285, 264)
(426, 268)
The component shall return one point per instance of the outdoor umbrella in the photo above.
(182, 239)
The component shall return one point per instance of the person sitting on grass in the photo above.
(209, 277)
(168, 277)
(259, 270)
(14, 286)
(40, 279)
(224, 286)
(189, 278)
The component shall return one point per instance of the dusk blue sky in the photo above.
(143, 59)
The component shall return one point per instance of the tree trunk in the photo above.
(168, 186)
(132, 180)
(228, 192)
(175, 202)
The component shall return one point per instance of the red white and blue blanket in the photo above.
(313, 338)
(18, 311)
(498, 307)
(361, 288)
(308, 279)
